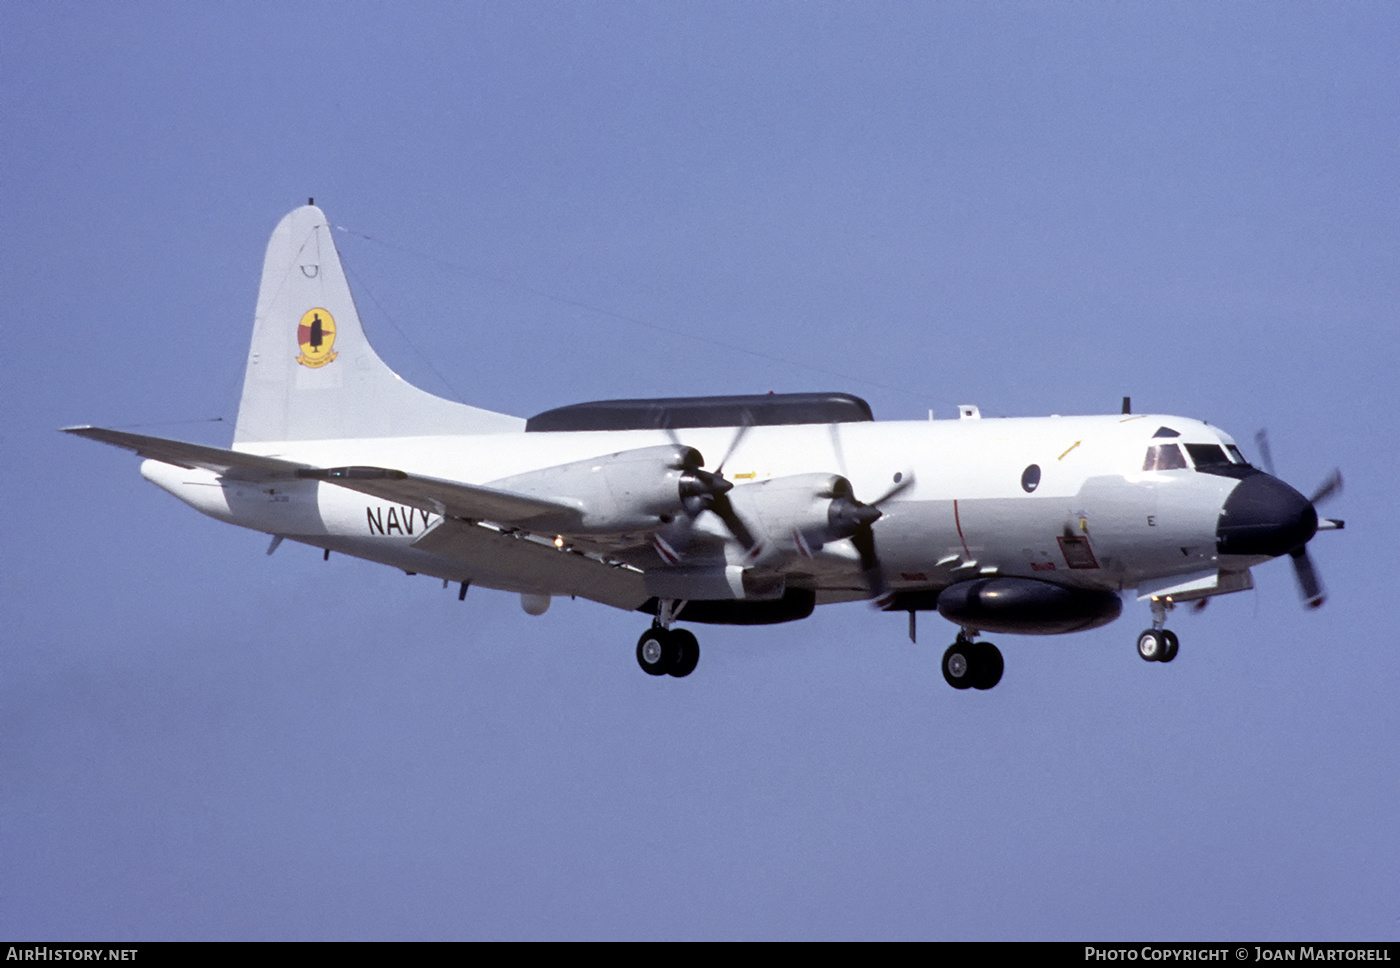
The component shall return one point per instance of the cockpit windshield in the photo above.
(1164, 457)
(1207, 455)
(1206, 458)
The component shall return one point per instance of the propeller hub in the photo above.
(846, 516)
(701, 483)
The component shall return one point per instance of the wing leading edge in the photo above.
(448, 498)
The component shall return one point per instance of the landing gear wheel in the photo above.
(1169, 652)
(1152, 645)
(988, 667)
(973, 665)
(959, 664)
(656, 652)
(687, 653)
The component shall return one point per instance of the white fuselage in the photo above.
(1091, 517)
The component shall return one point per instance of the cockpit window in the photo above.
(1207, 455)
(1235, 455)
(1164, 457)
(1165, 432)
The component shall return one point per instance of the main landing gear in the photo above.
(663, 652)
(972, 665)
(1158, 644)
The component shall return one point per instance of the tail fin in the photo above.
(311, 373)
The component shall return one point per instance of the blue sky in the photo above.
(1036, 208)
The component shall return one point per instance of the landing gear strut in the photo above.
(975, 665)
(1158, 644)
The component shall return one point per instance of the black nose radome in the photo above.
(1264, 516)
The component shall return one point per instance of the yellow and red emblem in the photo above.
(316, 335)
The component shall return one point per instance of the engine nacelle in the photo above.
(633, 490)
(1026, 606)
(801, 513)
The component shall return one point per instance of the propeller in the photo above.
(1329, 487)
(1261, 440)
(858, 519)
(847, 516)
(703, 490)
(854, 518)
(1309, 584)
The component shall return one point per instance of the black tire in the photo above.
(960, 664)
(1151, 644)
(989, 666)
(1169, 652)
(656, 652)
(688, 653)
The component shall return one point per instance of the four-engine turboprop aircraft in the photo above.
(1020, 526)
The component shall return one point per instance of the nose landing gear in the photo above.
(972, 665)
(1158, 644)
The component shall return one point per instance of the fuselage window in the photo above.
(1207, 455)
(1164, 457)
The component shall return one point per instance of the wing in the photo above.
(449, 498)
(229, 463)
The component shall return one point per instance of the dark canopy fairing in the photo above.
(661, 413)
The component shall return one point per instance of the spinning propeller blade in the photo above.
(1309, 584)
(1328, 488)
(705, 490)
(855, 520)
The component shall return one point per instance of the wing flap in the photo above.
(518, 562)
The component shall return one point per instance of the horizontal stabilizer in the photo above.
(229, 463)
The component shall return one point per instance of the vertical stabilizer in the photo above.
(311, 373)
